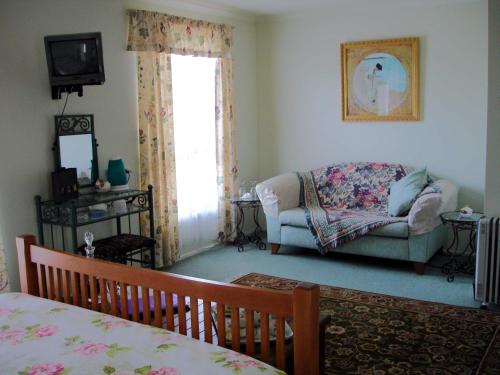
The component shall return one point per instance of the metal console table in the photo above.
(123, 247)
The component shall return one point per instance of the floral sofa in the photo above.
(355, 191)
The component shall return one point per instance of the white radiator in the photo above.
(487, 283)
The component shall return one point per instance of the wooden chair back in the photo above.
(94, 284)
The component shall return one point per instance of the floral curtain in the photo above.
(4, 280)
(227, 163)
(155, 37)
(157, 151)
(151, 31)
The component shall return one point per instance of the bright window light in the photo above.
(193, 85)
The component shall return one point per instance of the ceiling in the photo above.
(276, 7)
(264, 7)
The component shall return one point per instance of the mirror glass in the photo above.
(76, 152)
(75, 146)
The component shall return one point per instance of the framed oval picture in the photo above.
(380, 80)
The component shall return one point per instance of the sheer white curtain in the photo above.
(193, 92)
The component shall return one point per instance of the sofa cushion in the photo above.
(295, 217)
(279, 193)
(396, 230)
(405, 191)
(424, 214)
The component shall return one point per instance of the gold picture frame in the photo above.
(370, 93)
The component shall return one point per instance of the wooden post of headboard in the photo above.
(27, 269)
(306, 329)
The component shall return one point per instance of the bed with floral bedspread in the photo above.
(39, 336)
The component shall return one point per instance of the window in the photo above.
(193, 91)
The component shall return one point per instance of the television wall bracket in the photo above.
(58, 90)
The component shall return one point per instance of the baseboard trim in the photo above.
(191, 253)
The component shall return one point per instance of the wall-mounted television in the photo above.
(74, 60)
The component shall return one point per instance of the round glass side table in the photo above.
(461, 260)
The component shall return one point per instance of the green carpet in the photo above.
(394, 278)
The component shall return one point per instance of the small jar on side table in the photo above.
(255, 236)
(461, 259)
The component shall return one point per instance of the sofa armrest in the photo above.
(449, 191)
(279, 193)
(424, 214)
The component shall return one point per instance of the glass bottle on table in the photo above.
(253, 192)
(89, 249)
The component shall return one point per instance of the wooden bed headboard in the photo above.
(94, 284)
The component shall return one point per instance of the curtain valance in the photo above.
(157, 32)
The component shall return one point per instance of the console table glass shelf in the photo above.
(75, 213)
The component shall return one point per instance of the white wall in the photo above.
(492, 194)
(27, 110)
(300, 125)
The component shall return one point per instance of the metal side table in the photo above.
(255, 237)
(461, 260)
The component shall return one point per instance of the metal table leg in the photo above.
(460, 262)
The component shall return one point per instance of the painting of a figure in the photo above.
(380, 80)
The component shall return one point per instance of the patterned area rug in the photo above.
(375, 334)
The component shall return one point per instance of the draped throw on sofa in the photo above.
(155, 36)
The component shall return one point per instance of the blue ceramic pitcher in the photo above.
(118, 176)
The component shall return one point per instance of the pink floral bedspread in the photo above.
(39, 336)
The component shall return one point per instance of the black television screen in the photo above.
(71, 58)
(75, 59)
